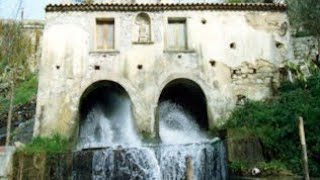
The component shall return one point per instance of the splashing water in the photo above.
(113, 150)
(109, 127)
(178, 126)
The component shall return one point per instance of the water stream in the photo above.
(110, 148)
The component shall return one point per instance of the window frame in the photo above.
(108, 20)
(176, 20)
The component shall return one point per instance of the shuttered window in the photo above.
(105, 34)
(177, 34)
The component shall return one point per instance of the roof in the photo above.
(166, 7)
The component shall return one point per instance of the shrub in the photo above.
(50, 145)
(274, 121)
(26, 91)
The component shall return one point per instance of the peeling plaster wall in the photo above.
(228, 41)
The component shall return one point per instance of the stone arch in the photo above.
(108, 85)
(166, 79)
(190, 96)
(106, 98)
(143, 24)
(86, 85)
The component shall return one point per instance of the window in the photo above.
(105, 34)
(177, 34)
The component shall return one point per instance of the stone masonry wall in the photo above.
(304, 47)
(229, 53)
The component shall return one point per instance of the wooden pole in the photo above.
(9, 119)
(189, 171)
(304, 149)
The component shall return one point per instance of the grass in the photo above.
(49, 145)
(272, 168)
(25, 91)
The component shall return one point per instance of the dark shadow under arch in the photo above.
(99, 93)
(190, 96)
(105, 116)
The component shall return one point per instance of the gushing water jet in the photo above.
(110, 143)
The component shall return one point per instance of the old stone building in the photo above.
(208, 56)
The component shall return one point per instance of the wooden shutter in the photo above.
(105, 34)
(177, 35)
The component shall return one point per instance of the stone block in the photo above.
(244, 148)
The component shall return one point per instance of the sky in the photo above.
(33, 9)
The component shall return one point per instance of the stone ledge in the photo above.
(111, 51)
(179, 51)
(142, 43)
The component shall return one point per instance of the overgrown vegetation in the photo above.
(26, 90)
(43, 158)
(48, 145)
(274, 121)
(267, 169)
(305, 23)
(24, 93)
(15, 49)
(17, 83)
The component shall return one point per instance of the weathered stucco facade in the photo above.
(233, 51)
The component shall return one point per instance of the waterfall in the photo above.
(182, 137)
(110, 148)
(166, 162)
(109, 127)
(178, 126)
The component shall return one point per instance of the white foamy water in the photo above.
(114, 150)
(112, 127)
(178, 126)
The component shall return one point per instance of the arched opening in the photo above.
(105, 117)
(182, 109)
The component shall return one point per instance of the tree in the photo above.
(305, 14)
(15, 48)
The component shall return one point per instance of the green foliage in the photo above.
(274, 121)
(298, 71)
(15, 48)
(53, 145)
(301, 33)
(239, 168)
(272, 168)
(24, 93)
(305, 14)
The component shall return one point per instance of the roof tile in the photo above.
(166, 7)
